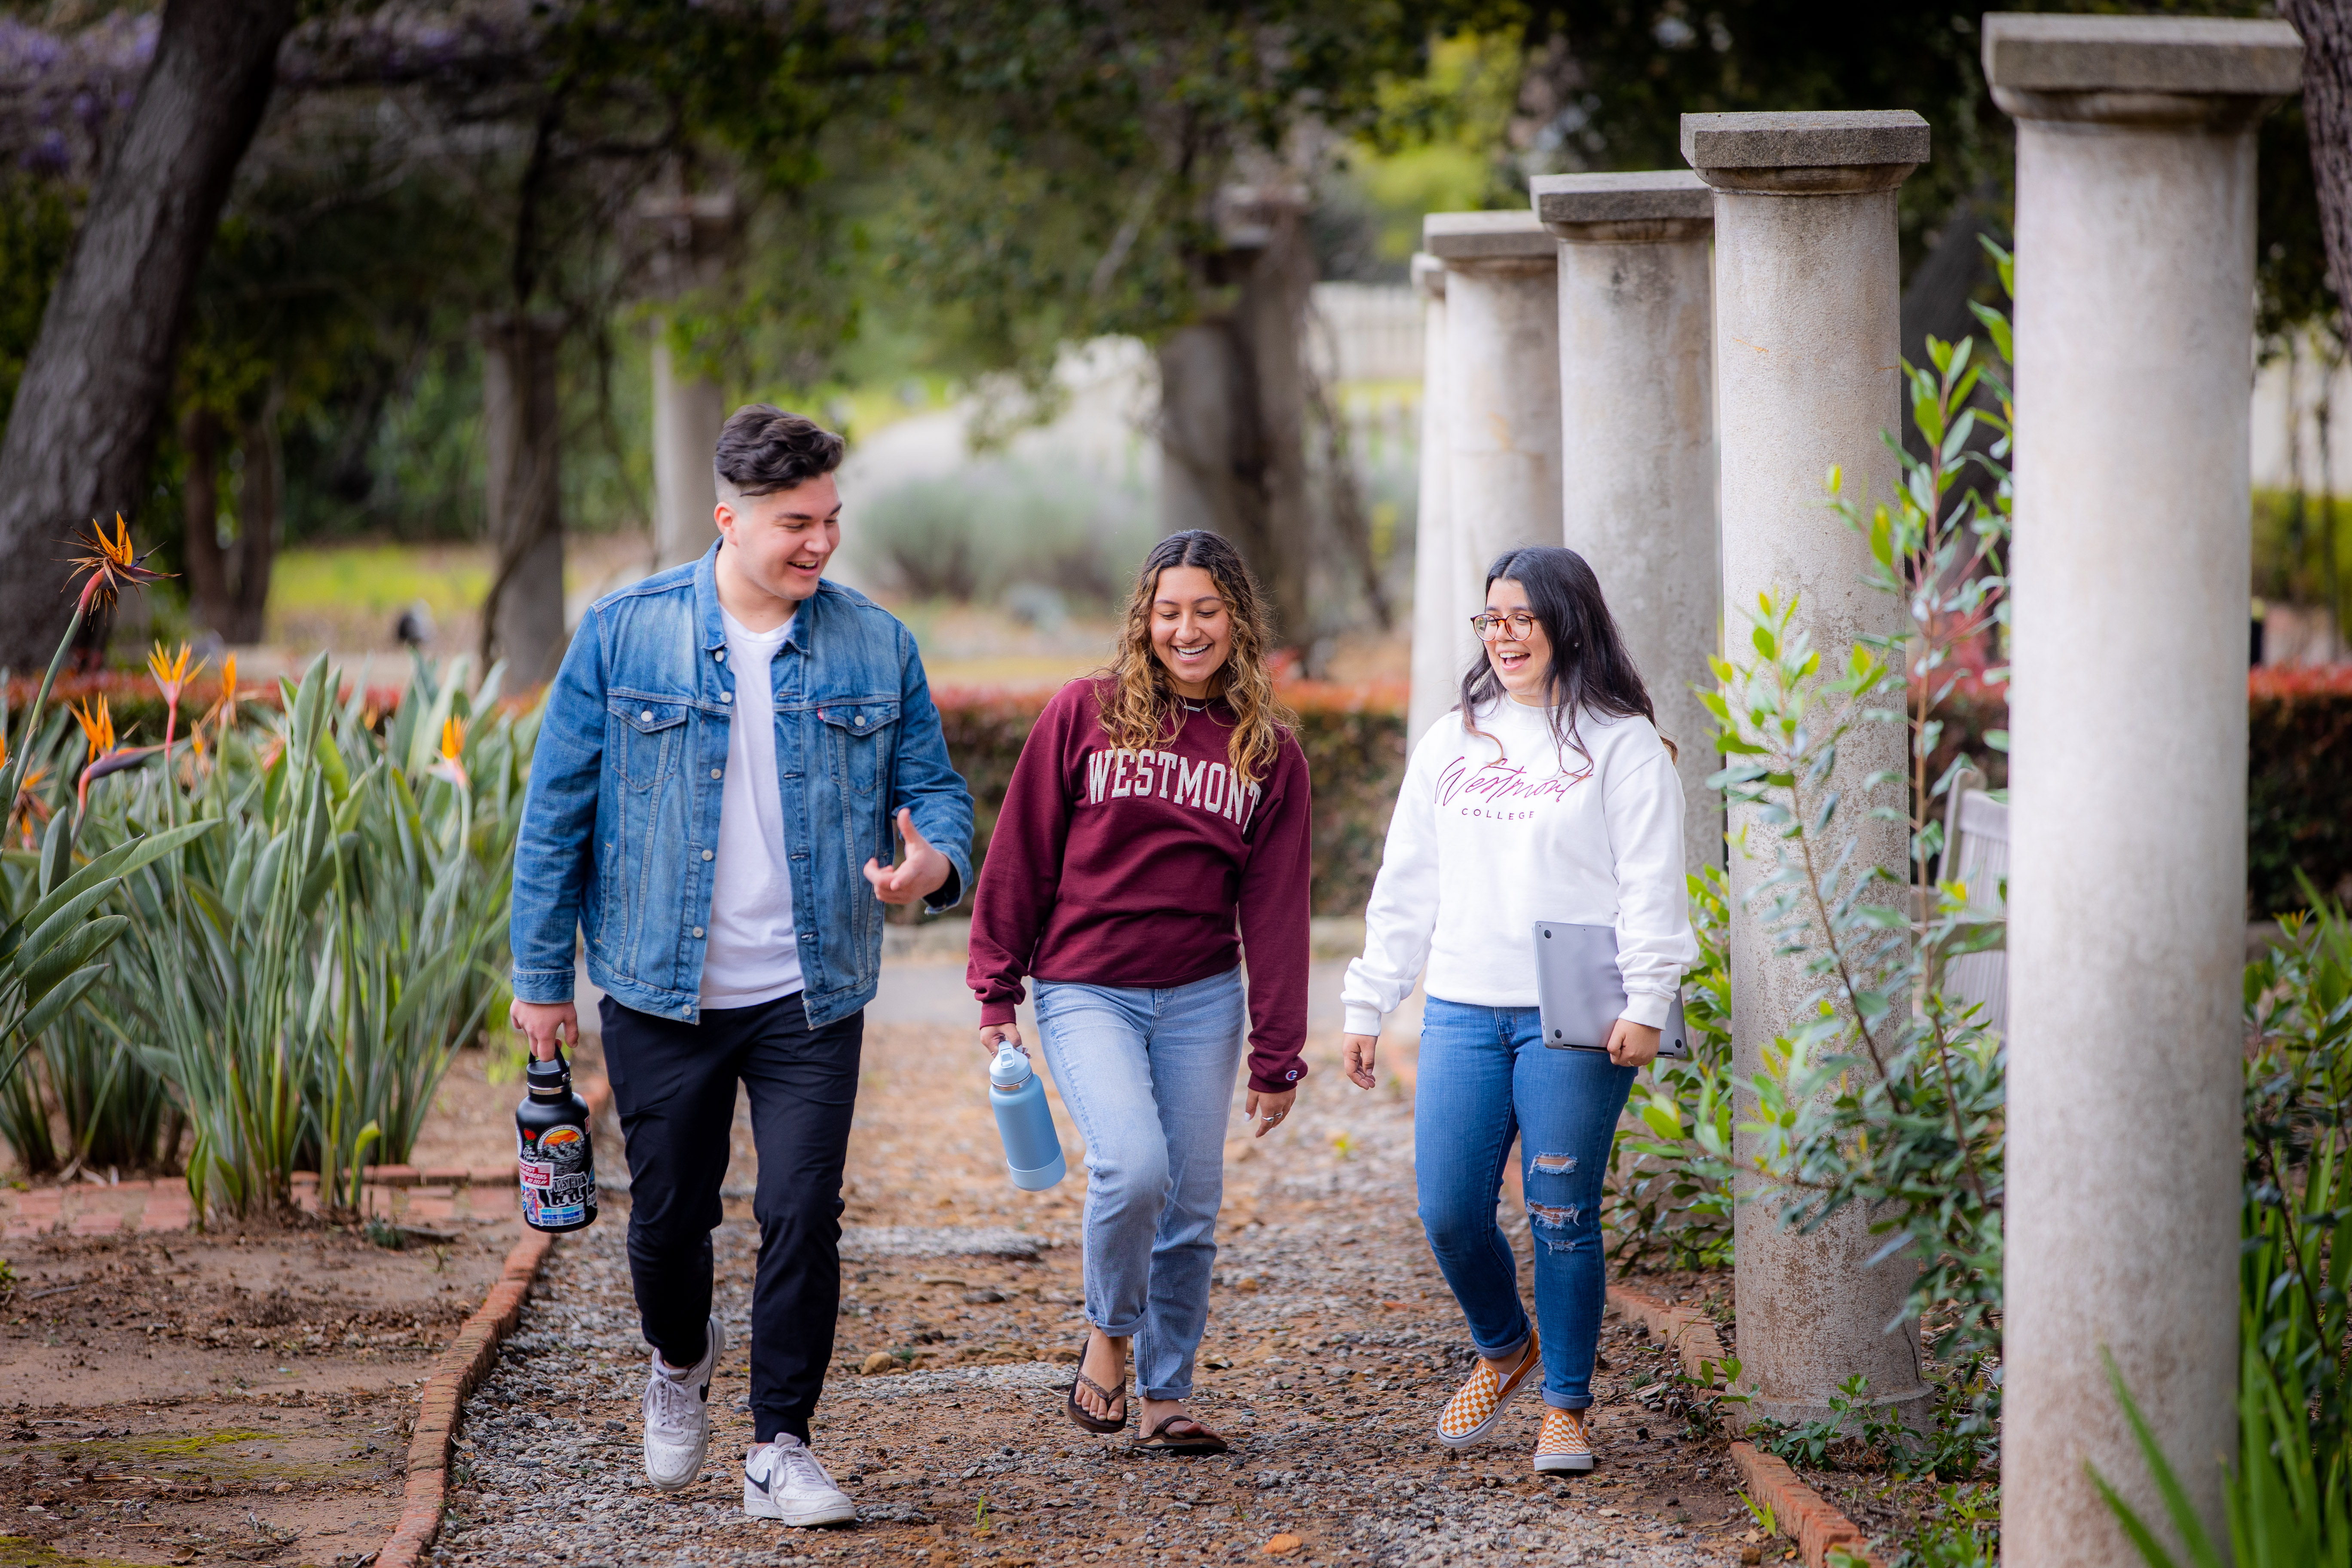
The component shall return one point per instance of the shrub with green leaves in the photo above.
(302, 975)
(59, 903)
(1669, 1196)
(1885, 1090)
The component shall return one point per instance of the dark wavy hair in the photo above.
(1591, 672)
(762, 449)
(1141, 708)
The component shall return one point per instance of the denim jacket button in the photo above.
(714, 773)
(698, 930)
(706, 854)
(726, 697)
(646, 717)
(859, 722)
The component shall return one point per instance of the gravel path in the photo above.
(1331, 1346)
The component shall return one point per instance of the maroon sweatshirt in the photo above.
(1128, 869)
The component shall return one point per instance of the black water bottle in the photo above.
(552, 1153)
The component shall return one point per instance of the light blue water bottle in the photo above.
(1032, 1150)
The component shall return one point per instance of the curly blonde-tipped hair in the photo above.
(1140, 709)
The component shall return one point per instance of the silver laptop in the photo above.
(1582, 993)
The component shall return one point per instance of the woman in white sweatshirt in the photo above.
(1549, 795)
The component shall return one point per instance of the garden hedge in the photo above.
(2298, 776)
(2298, 793)
(1353, 737)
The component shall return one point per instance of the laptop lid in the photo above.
(1581, 992)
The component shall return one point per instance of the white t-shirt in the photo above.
(1497, 830)
(753, 955)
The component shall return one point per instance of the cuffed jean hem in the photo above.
(1171, 1394)
(1117, 1330)
(1486, 1077)
(1507, 1351)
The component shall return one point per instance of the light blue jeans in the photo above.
(1147, 1075)
(1486, 1076)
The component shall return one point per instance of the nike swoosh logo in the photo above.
(757, 1482)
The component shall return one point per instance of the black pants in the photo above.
(674, 1086)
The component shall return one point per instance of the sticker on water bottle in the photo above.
(557, 1185)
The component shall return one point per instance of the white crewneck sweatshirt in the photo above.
(1496, 830)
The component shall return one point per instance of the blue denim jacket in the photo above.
(622, 819)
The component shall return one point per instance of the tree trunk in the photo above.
(688, 411)
(200, 550)
(1273, 318)
(258, 505)
(1232, 414)
(96, 385)
(2327, 30)
(522, 619)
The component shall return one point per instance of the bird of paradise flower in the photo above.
(107, 567)
(453, 747)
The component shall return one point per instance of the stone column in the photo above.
(688, 413)
(1637, 441)
(2127, 777)
(1806, 322)
(1437, 654)
(1502, 389)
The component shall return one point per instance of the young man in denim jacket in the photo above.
(724, 745)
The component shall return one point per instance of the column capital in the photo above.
(1499, 241)
(2190, 72)
(1652, 206)
(1807, 153)
(1428, 275)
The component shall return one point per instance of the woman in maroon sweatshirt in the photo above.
(1155, 828)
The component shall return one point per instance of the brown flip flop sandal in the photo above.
(1199, 1441)
(1080, 1413)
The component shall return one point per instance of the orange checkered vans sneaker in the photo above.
(1565, 1442)
(1478, 1403)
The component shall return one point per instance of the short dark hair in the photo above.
(762, 449)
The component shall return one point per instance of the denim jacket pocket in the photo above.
(651, 736)
(860, 739)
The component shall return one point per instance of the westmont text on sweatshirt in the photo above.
(1111, 866)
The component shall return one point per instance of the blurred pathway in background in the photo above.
(1332, 1344)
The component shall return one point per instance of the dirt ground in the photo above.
(168, 1395)
(219, 1397)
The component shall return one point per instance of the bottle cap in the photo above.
(1011, 1068)
(551, 1078)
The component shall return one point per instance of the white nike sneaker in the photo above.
(784, 1480)
(678, 1417)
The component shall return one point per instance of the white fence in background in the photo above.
(1364, 332)
(2292, 391)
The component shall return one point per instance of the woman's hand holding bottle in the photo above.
(995, 1036)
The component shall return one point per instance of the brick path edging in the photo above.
(458, 1370)
(1803, 1515)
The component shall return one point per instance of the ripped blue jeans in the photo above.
(1484, 1077)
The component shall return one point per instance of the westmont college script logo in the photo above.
(1494, 790)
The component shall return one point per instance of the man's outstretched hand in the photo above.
(923, 872)
(544, 1023)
